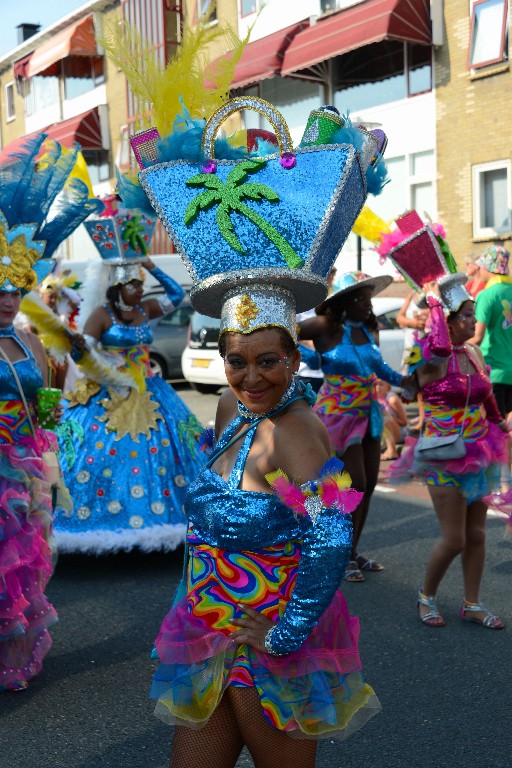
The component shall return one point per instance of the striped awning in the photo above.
(369, 22)
(76, 40)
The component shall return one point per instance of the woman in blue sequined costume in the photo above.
(128, 454)
(345, 336)
(262, 648)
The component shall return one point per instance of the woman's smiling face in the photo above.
(259, 367)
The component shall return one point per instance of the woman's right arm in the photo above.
(96, 324)
(326, 541)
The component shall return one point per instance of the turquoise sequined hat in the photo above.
(259, 234)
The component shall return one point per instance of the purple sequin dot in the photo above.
(288, 160)
(209, 167)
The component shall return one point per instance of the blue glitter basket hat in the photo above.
(260, 234)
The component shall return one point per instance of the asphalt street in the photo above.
(446, 694)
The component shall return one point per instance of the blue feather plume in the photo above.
(376, 174)
(36, 188)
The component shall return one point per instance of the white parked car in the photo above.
(203, 367)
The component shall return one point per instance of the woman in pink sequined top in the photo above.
(458, 401)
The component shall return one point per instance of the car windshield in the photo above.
(203, 321)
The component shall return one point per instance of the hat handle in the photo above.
(273, 115)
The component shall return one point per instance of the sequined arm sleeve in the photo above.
(174, 293)
(438, 341)
(310, 357)
(325, 552)
(384, 371)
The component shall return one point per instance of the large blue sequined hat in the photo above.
(260, 234)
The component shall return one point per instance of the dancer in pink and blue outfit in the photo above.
(459, 407)
(345, 336)
(30, 231)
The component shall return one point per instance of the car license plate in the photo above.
(198, 362)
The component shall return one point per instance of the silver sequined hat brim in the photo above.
(120, 274)
(453, 291)
(307, 289)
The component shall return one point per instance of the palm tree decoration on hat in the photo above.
(229, 197)
(135, 233)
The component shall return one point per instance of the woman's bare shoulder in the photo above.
(301, 444)
(31, 340)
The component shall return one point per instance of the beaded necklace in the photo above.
(250, 416)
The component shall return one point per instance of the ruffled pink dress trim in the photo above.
(25, 562)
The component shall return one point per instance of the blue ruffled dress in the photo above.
(128, 491)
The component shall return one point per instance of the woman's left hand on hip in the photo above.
(253, 628)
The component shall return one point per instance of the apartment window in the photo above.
(488, 38)
(81, 75)
(97, 165)
(492, 199)
(207, 8)
(124, 154)
(404, 70)
(412, 186)
(247, 7)
(41, 93)
(421, 182)
(10, 112)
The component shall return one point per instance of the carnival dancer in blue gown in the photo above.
(129, 447)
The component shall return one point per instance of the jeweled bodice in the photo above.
(226, 516)
(122, 336)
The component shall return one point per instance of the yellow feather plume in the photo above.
(57, 338)
(370, 226)
(188, 75)
(52, 331)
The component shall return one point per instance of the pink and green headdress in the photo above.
(41, 204)
(421, 254)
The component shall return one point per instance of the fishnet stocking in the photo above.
(239, 721)
(268, 746)
(217, 745)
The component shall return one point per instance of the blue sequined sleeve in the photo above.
(310, 357)
(173, 290)
(385, 372)
(325, 552)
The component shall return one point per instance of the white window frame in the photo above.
(251, 13)
(503, 55)
(489, 233)
(9, 115)
(418, 179)
(123, 154)
(213, 17)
